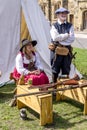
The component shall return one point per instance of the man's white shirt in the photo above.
(64, 39)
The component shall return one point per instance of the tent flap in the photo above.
(10, 21)
(9, 36)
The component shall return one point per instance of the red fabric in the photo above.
(36, 79)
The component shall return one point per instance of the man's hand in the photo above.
(51, 46)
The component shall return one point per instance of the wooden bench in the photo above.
(78, 94)
(41, 103)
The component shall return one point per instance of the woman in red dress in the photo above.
(29, 65)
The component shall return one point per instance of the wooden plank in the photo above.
(46, 109)
(42, 104)
(30, 101)
(75, 94)
(78, 94)
(85, 104)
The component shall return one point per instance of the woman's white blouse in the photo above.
(22, 59)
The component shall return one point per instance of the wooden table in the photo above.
(78, 94)
(41, 103)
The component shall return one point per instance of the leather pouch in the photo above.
(62, 51)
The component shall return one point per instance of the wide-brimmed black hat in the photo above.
(25, 42)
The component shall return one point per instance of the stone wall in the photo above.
(77, 8)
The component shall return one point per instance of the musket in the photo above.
(51, 85)
(54, 90)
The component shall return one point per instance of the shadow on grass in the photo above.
(67, 119)
(6, 92)
(85, 76)
(61, 120)
(4, 97)
(62, 123)
(71, 102)
(74, 103)
(8, 87)
(32, 112)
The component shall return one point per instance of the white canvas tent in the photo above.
(10, 20)
(10, 34)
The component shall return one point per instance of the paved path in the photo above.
(80, 40)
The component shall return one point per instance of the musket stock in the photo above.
(51, 85)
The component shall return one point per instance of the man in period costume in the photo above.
(62, 34)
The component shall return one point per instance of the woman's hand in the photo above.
(36, 72)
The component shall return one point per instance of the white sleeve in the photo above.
(38, 62)
(19, 65)
(70, 39)
(56, 36)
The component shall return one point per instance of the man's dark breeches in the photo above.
(61, 63)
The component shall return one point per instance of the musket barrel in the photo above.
(54, 90)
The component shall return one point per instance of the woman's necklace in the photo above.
(29, 56)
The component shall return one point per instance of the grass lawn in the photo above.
(67, 115)
(81, 60)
